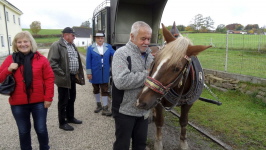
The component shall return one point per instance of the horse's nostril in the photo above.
(142, 105)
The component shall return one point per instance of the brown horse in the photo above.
(172, 82)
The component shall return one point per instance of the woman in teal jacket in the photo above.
(98, 63)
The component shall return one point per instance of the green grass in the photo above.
(46, 40)
(240, 62)
(235, 41)
(240, 121)
(46, 31)
(82, 50)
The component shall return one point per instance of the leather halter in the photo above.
(165, 91)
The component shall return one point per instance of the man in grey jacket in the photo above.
(130, 68)
(66, 64)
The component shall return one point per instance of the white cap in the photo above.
(99, 34)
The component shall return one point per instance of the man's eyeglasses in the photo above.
(100, 38)
(73, 35)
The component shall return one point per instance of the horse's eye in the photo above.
(176, 69)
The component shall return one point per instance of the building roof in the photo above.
(82, 31)
(11, 6)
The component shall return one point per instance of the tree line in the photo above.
(206, 24)
(199, 23)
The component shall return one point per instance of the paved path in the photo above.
(96, 132)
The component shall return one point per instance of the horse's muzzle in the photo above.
(145, 105)
(141, 105)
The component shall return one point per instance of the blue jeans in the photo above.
(21, 114)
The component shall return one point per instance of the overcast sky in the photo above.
(57, 14)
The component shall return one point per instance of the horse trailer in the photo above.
(115, 18)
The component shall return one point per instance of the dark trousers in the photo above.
(103, 87)
(127, 127)
(66, 100)
(22, 114)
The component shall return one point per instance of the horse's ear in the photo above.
(167, 35)
(196, 49)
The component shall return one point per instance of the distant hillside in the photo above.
(46, 31)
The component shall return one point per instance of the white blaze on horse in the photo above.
(175, 79)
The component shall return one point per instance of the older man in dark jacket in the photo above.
(66, 64)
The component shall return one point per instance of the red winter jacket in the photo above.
(42, 82)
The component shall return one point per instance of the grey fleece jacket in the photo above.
(130, 81)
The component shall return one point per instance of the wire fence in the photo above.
(234, 53)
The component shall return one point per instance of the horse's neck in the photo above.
(186, 84)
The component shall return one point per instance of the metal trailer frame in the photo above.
(115, 18)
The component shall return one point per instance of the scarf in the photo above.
(25, 60)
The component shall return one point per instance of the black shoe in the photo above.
(66, 127)
(106, 112)
(75, 121)
(98, 108)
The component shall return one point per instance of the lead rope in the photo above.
(214, 95)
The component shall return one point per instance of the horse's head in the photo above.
(168, 69)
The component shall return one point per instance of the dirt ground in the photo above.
(196, 140)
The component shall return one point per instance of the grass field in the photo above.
(240, 121)
(235, 41)
(242, 54)
(239, 62)
(46, 31)
(46, 40)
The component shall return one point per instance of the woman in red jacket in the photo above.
(34, 89)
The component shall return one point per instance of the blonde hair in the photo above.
(21, 35)
(174, 50)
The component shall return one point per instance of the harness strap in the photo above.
(172, 96)
(192, 72)
(156, 85)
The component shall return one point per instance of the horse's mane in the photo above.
(174, 50)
